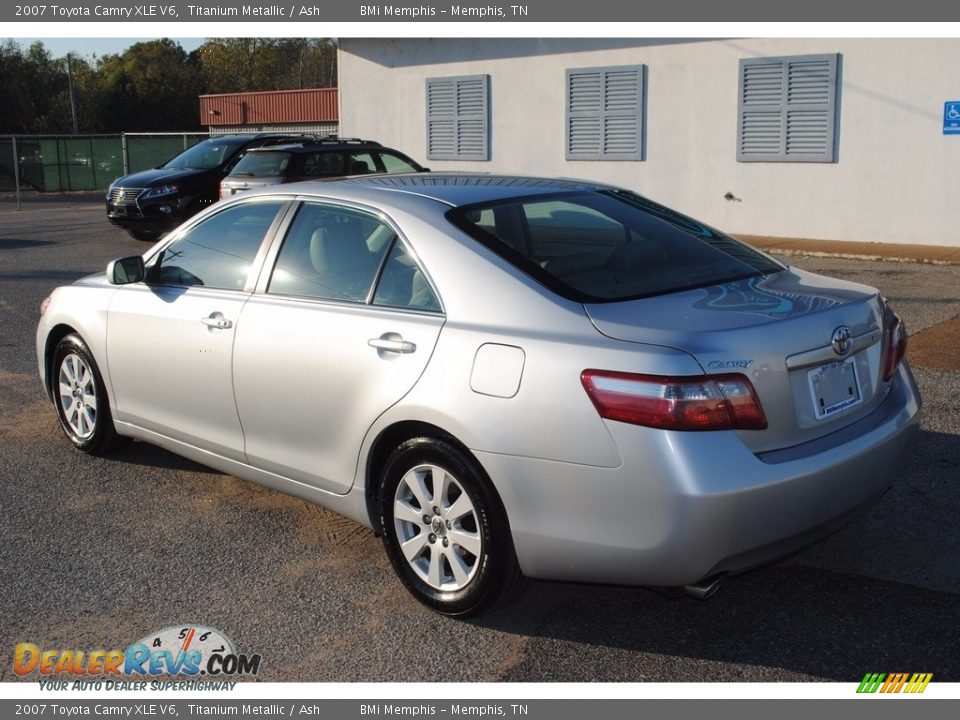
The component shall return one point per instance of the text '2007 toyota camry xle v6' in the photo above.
(505, 377)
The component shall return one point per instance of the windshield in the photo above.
(204, 156)
(609, 245)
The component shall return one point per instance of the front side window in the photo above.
(217, 252)
(331, 253)
(608, 245)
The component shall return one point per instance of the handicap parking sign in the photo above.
(951, 117)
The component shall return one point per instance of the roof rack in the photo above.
(346, 141)
(279, 133)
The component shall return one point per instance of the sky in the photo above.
(87, 47)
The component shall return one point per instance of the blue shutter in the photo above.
(605, 113)
(788, 109)
(457, 118)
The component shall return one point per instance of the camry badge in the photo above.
(841, 340)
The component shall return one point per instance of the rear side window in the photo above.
(218, 251)
(321, 164)
(263, 164)
(602, 246)
(396, 164)
(403, 284)
(360, 164)
(331, 253)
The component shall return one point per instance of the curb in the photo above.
(854, 250)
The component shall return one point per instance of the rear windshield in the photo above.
(610, 245)
(204, 156)
(265, 163)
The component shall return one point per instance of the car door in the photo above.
(170, 339)
(322, 349)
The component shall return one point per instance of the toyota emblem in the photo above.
(841, 340)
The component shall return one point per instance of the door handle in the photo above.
(217, 321)
(392, 342)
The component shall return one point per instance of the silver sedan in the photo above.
(505, 377)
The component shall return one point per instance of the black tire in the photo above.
(144, 235)
(494, 576)
(88, 425)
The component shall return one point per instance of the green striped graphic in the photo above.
(894, 682)
(871, 682)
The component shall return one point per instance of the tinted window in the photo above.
(396, 164)
(263, 164)
(319, 164)
(609, 245)
(403, 283)
(219, 251)
(360, 164)
(331, 253)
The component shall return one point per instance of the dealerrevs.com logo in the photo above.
(191, 650)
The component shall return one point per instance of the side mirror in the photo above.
(126, 270)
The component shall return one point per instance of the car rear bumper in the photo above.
(686, 506)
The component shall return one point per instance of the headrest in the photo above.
(339, 248)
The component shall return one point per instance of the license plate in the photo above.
(834, 387)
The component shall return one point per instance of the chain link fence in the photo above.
(58, 163)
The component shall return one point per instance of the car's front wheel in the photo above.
(444, 529)
(144, 235)
(80, 396)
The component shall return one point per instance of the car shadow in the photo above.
(135, 452)
(14, 244)
(801, 619)
(880, 596)
(847, 606)
(59, 276)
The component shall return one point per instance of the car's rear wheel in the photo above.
(81, 399)
(444, 529)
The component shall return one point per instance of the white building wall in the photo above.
(897, 178)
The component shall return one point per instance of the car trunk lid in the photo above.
(234, 184)
(777, 330)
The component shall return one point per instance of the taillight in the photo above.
(894, 341)
(708, 402)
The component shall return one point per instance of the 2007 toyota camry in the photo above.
(506, 377)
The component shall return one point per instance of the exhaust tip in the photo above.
(705, 588)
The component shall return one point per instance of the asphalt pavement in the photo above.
(99, 552)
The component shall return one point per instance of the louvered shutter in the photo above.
(457, 118)
(788, 109)
(605, 113)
